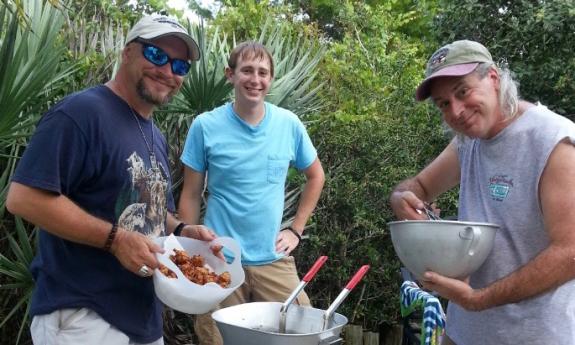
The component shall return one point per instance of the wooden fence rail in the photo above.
(355, 335)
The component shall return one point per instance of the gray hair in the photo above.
(508, 94)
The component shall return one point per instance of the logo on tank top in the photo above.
(499, 187)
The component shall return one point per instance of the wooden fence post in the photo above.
(394, 336)
(353, 335)
(370, 338)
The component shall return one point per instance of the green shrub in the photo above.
(371, 136)
(364, 160)
(534, 37)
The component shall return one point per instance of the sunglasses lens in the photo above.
(155, 55)
(159, 58)
(180, 67)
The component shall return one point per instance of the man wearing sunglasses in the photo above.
(95, 180)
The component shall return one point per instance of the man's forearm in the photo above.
(189, 209)
(308, 202)
(58, 215)
(411, 185)
(171, 223)
(551, 268)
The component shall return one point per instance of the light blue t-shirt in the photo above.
(246, 168)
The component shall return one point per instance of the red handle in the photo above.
(357, 277)
(313, 270)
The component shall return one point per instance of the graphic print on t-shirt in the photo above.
(143, 202)
(500, 186)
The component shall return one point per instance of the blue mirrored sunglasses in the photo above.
(159, 58)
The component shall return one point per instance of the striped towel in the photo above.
(433, 322)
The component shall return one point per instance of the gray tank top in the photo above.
(499, 184)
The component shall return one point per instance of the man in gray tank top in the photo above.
(514, 163)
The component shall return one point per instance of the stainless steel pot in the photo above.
(257, 324)
(451, 248)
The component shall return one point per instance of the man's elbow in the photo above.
(317, 177)
(321, 178)
(14, 200)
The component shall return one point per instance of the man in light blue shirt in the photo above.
(244, 149)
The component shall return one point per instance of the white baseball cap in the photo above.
(151, 27)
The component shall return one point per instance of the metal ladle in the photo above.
(310, 274)
(342, 295)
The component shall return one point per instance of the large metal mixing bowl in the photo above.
(452, 248)
(258, 324)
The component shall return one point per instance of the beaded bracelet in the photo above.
(179, 228)
(111, 237)
(289, 228)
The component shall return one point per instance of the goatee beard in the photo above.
(147, 96)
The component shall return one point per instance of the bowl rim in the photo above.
(456, 222)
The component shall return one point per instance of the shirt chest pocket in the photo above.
(277, 169)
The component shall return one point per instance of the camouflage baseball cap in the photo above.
(455, 59)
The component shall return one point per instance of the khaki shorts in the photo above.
(77, 326)
(267, 283)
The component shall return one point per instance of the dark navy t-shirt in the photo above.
(89, 148)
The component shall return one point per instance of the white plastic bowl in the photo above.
(183, 295)
(451, 248)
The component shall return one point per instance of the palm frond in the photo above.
(206, 86)
(17, 272)
(296, 63)
(30, 66)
